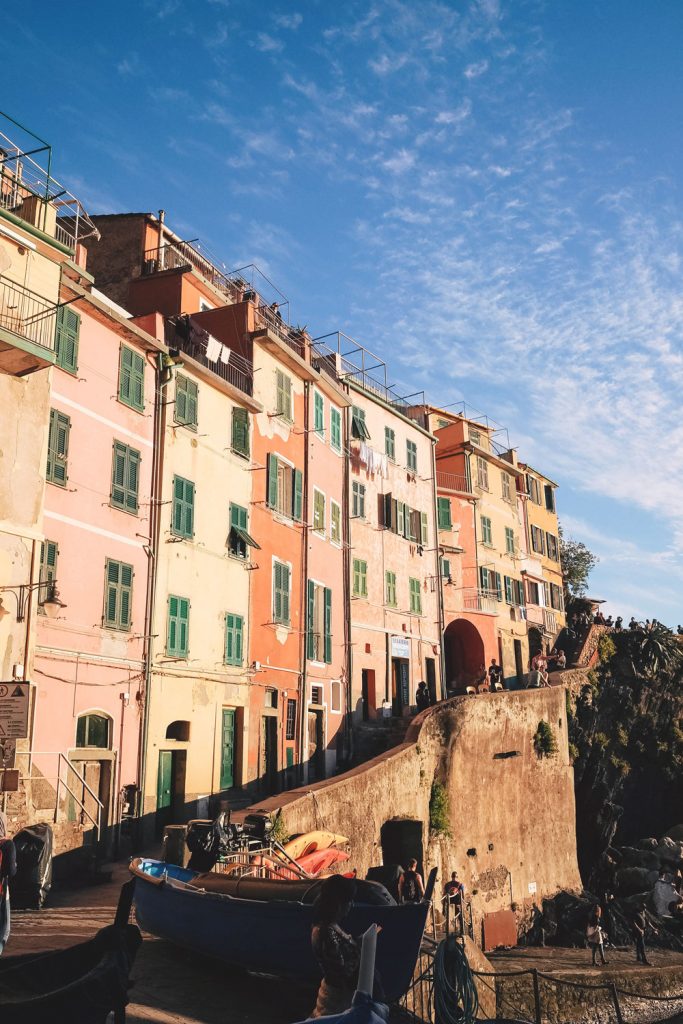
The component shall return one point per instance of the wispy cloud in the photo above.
(267, 43)
(290, 21)
(475, 70)
(130, 66)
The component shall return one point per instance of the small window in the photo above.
(335, 429)
(234, 639)
(390, 443)
(182, 522)
(506, 484)
(444, 513)
(316, 695)
(239, 538)
(178, 627)
(415, 597)
(283, 396)
(178, 730)
(486, 531)
(118, 594)
(318, 512)
(360, 578)
(186, 393)
(240, 431)
(411, 456)
(335, 523)
(284, 488)
(125, 477)
(58, 448)
(532, 589)
(49, 553)
(319, 414)
(446, 568)
(131, 378)
(93, 731)
(335, 696)
(66, 338)
(533, 489)
(390, 589)
(537, 540)
(270, 699)
(552, 547)
(290, 728)
(357, 500)
(281, 583)
(358, 427)
(482, 473)
(549, 497)
(509, 540)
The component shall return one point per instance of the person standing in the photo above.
(594, 935)
(638, 925)
(495, 675)
(8, 868)
(410, 885)
(422, 697)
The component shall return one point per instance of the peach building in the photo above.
(541, 566)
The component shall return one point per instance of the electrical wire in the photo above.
(455, 993)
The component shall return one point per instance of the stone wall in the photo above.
(512, 812)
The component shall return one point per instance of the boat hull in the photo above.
(271, 937)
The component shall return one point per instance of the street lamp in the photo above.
(51, 603)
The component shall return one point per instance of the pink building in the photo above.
(89, 659)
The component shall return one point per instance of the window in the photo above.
(537, 543)
(93, 731)
(390, 589)
(335, 696)
(240, 431)
(281, 581)
(415, 597)
(182, 523)
(514, 592)
(552, 547)
(444, 513)
(556, 600)
(239, 538)
(319, 414)
(283, 395)
(506, 484)
(533, 489)
(532, 590)
(482, 473)
(509, 540)
(318, 511)
(58, 448)
(357, 500)
(335, 429)
(446, 568)
(290, 726)
(549, 497)
(411, 456)
(125, 477)
(335, 523)
(185, 411)
(358, 427)
(319, 623)
(178, 626)
(491, 583)
(49, 552)
(284, 488)
(360, 578)
(66, 338)
(234, 639)
(486, 532)
(270, 699)
(118, 594)
(509, 592)
(131, 378)
(316, 695)
(546, 594)
(390, 443)
(424, 529)
(475, 437)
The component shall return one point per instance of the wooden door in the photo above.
(228, 749)
(164, 788)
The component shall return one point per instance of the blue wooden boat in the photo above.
(264, 925)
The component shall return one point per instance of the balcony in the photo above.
(269, 318)
(188, 256)
(187, 337)
(455, 482)
(27, 330)
(480, 601)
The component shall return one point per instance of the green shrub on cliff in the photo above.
(439, 821)
(606, 648)
(544, 740)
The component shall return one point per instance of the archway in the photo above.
(464, 653)
(535, 642)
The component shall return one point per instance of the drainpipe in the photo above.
(303, 603)
(439, 579)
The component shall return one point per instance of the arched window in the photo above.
(93, 730)
(178, 731)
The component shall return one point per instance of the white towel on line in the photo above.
(213, 349)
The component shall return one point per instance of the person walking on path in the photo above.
(594, 935)
(638, 924)
(410, 885)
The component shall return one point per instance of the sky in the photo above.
(486, 193)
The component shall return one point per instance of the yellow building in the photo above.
(541, 566)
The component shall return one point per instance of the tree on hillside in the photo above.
(577, 564)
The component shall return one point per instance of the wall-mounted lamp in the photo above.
(51, 603)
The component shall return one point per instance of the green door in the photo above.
(228, 749)
(165, 780)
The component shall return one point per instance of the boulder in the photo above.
(675, 833)
(647, 844)
(632, 880)
(639, 858)
(667, 843)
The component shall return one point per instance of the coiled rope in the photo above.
(455, 994)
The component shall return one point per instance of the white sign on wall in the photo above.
(532, 888)
(400, 647)
(14, 700)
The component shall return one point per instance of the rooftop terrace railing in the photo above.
(27, 314)
(457, 482)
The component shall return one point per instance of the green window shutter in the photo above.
(240, 431)
(335, 523)
(285, 593)
(178, 629)
(328, 625)
(132, 480)
(310, 635)
(360, 578)
(111, 585)
(390, 588)
(297, 494)
(509, 590)
(180, 410)
(238, 517)
(283, 395)
(335, 429)
(446, 568)
(400, 518)
(390, 443)
(281, 592)
(411, 456)
(271, 489)
(234, 636)
(67, 333)
(58, 448)
(125, 473)
(318, 413)
(131, 378)
(118, 594)
(424, 529)
(189, 509)
(444, 513)
(182, 522)
(192, 403)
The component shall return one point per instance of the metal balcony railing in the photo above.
(453, 482)
(292, 337)
(27, 314)
(239, 374)
(480, 601)
(174, 255)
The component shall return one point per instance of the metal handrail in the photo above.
(61, 757)
(27, 314)
(453, 482)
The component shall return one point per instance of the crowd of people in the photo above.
(581, 621)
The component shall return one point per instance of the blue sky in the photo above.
(487, 193)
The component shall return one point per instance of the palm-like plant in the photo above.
(654, 652)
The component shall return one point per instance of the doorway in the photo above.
(401, 840)
(268, 766)
(316, 746)
(519, 663)
(430, 671)
(369, 696)
(400, 685)
(228, 749)
(170, 787)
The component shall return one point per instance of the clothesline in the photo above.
(376, 462)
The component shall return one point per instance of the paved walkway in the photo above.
(557, 960)
(171, 985)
